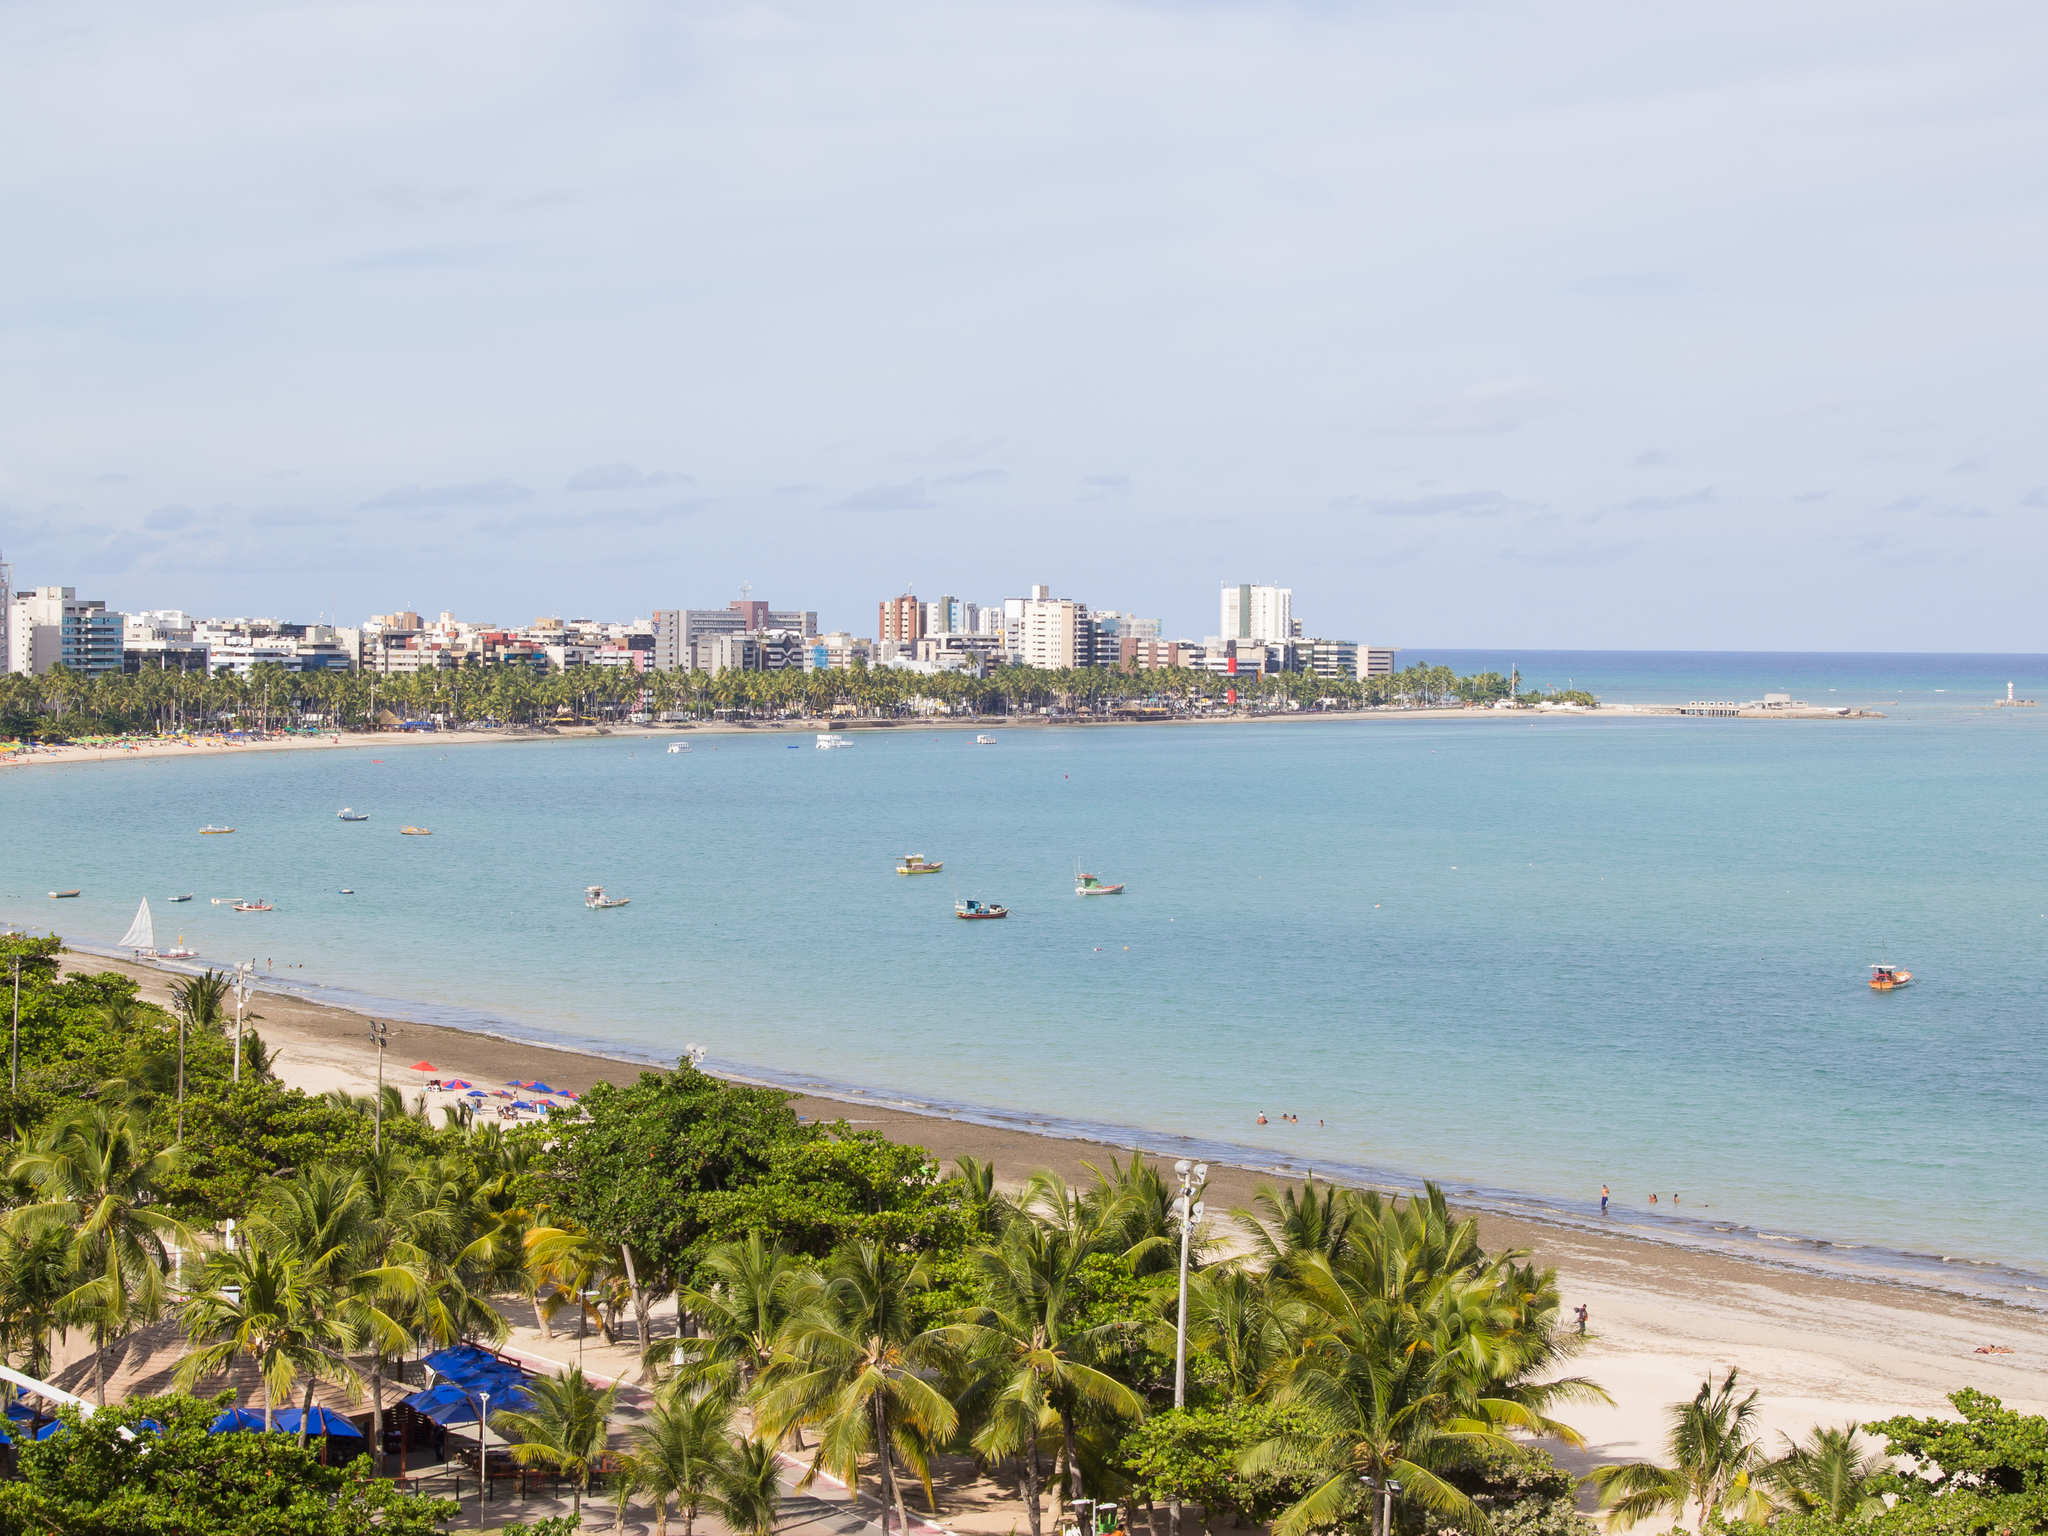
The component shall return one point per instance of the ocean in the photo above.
(1522, 955)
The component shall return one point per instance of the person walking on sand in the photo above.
(1582, 1318)
(1603, 1199)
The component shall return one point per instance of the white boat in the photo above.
(141, 934)
(595, 899)
(827, 742)
(1086, 884)
(677, 747)
(984, 740)
(348, 814)
(178, 951)
(186, 897)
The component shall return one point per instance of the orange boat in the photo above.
(1884, 978)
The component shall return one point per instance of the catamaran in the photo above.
(141, 934)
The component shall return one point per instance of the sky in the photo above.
(1584, 325)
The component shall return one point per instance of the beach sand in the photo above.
(1820, 1350)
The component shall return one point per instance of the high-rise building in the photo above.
(1256, 613)
(900, 620)
(680, 633)
(6, 615)
(53, 626)
(1376, 660)
(1051, 631)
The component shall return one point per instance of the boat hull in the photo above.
(1098, 890)
(919, 869)
(1890, 983)
(981, 914)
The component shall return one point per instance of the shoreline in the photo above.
(1822, 1347)
(213, 744)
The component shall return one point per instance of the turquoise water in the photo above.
(1523, 955)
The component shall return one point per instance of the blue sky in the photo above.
(1584, 325)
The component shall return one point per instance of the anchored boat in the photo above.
(215, 831)
(595, 898)
(253, 906)
(346, 814)
(918, 864)
(186, 897)
(414, 832)
(1888, 978)
(62, 895)
(141, 934)
(1086, 884)
(976, 911)
(827, 742)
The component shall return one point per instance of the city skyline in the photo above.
(1651, 331)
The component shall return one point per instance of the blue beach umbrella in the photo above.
(54, 1427)
(444, 1403)
(539, 1087)
(321, 1421)
(236, 1421)
(462, 1359)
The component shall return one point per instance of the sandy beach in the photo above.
(1821, 1350)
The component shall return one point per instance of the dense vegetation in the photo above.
(847, 1301)
(62, 705)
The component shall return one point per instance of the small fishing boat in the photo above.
(595, 898)
(1887, 978)
(254, 906)
(347, 813)
(918, 864)
(178, 951)
(215, 831)
(1086, 884)
(414, 832)
(676, 748)
(976, 911)
(827, 742)
(186, 897)
(346, 890)
(62, 895)
(984, 740)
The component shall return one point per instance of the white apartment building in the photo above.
(54, 626)
(1051, 631)
(1259, 614)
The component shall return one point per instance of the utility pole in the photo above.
(1192, 1177)
(241, 991)
(380, 1036)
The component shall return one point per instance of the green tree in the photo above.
(91, 1177)
(111, 1475)
(1716, 1463)
(279, 1309)
(856, 1363)
(1830, 1474)
(679, 1454)
(565, 1429)
(1196, 1456)
(741, 1310)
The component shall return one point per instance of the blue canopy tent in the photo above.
(321, 1421)
(54, 1427)
(236, 1421)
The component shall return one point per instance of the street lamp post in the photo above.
(242, 969)
(483, 1457)
(380, 1036)
(1383, 1524)
(14, 1040)
(1188, 1210)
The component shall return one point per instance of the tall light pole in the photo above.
(1188, 1210)
(242, 970)
(14, 1040)
(1383, 1522)
(483, 1457)
(380, 1036)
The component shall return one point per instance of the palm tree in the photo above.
(1243, 1321)
(749, 1489)
(90, 1178)
(856, 1362)
(988, 1212)
(279, 1310)
(679, 1452)
(1032, 1360)
(201, 1003)
(35, 1277)
(1831, 1475)
(572, 1264)
(1716, 1463)
(566, 1428)
(743, 1309)
(1286, 1222)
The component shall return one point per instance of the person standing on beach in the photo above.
(1603, 1199)
(1582, 1318)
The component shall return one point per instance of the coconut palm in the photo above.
(1022, 1340)
(1244, 1321)
(279, 1310)
(90, 1178)
(1716, 1463)
(35, 1277)
(679, 1453)
(201, 1003)
(856, 1362)
(988, 1210)
(572, 1265)
(1284, 1222)
(748, 1492)
(1832, 1474)
(742, 1309)
(565, 1429)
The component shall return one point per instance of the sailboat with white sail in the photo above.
(141, 934)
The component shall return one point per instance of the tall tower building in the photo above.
(900, 619)
(1262, 615)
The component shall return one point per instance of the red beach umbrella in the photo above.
(424, 1066)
